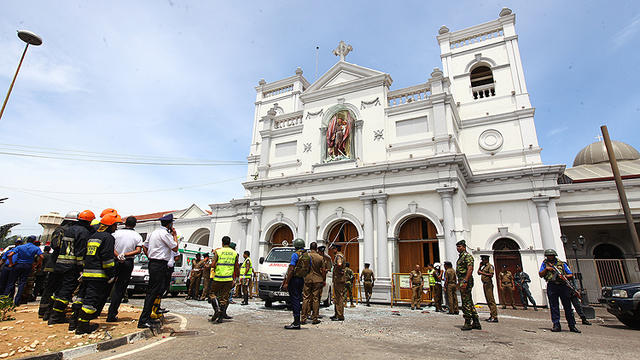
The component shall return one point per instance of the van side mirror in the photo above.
(261, 261)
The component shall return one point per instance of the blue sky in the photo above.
(176, 79)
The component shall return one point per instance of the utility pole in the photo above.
(621, 193)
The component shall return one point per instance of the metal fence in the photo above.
(597, 273)
(401, 289)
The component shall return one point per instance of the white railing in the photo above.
(483, 91)
(287, 122)
(278, 91)
(477, 38)
(408, 95)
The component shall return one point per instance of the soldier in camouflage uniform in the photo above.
(464, 272)
(348, 285)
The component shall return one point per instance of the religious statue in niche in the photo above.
(339, 136)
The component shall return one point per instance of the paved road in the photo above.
(378, 332)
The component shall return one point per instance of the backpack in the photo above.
(303, 266)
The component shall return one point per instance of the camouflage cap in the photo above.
(232, 245)
(461, 242)
(550, 252)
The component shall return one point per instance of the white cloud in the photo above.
(624, 36)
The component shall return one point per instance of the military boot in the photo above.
(585, 321)
(48, 310)
(476, 323)
(222, 315)
(216, 310)
(245, 301)
(85, 327)
(467, 325)
(535, 308)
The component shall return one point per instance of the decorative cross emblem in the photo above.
(307, 147)
(378, 134)
(599, 137)
(342, 50)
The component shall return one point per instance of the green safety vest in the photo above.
(432, 277)
(247, 269)
(225, 264)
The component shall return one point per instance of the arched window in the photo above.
(607, 251)
(482, 84)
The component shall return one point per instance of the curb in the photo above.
(94, 348)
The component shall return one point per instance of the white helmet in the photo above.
(72, 215)
(436, 265)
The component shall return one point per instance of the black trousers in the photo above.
(167, 283)
(95, 292)
(157, 284)
(557, 292)
(295, 296)
(123, 273)
(54, 279)
(68, 285)
(19, 275)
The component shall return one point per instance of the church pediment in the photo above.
(341, 73)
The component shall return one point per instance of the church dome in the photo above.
(597, 153)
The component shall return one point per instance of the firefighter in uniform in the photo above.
(338, 284)
(464, 272)
(98, 272)
(226, 268)
(69, 263)
(246, 274)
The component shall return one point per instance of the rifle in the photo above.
(565, 281)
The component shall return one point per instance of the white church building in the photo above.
(398, 176)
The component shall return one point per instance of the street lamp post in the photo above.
(579, 242)
(30, 39)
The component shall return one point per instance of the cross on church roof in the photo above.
(342, 50)
(599, 137)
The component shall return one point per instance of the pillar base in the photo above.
(381, 292)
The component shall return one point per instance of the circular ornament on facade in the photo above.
(490, 140)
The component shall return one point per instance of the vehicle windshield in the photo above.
(142, 260)
(280, 255)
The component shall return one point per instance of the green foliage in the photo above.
(6, 306)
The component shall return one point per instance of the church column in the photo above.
(446, 194)
(242, 242)
(358, 149)
(367, 203)
(382, 265)
(255, 230)
(544, 220)
(302, 221)
(265, 144)
(313, 221)
(212, 231)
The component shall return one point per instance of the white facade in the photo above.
(465, 158)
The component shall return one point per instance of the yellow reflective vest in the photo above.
(246, 270)
(225, 265)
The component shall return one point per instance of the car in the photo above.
(623, 301)
(273, 269)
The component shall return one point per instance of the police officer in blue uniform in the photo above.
(29, 257)
(556, 273)
(5, 270)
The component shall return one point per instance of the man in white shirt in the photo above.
(158, 247)
(128, 244)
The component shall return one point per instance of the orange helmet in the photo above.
(86, 215)
(110, 219)
(108, 211)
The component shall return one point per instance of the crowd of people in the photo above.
(88, 261)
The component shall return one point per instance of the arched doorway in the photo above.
(345, 234)
(200, 237)
(417, 244)
(507, 252)
(281, 234)
(609, 265)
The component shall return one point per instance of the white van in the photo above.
(272, 271)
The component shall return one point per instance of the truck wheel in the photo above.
(632, 321)
(174, 293)
(268, 303)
